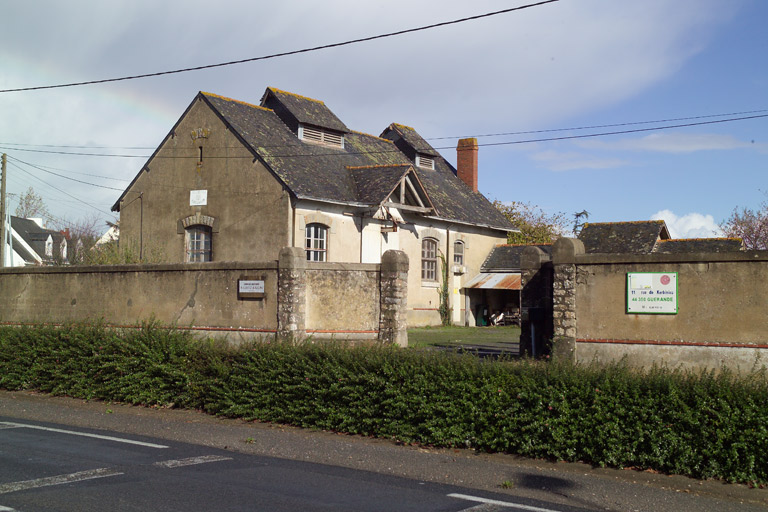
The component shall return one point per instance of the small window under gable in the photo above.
(425, 162)
(321, 136)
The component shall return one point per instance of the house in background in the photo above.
(234, 181)
(647, 237)
(32, 244)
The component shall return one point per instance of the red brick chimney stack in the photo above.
(466, 162)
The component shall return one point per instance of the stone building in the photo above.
(234, 181)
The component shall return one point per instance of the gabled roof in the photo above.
(623, 237)
(302, 109)
(334, 174)
(375, 183)
(689, 245)
(506, 258)
(35, 238)
(410, 137)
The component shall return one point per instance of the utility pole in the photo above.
(3, 214)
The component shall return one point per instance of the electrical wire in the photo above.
(58, 189)
(284, 54)
(484, 144)
(4, 145)
(595, 127)
(62, 176)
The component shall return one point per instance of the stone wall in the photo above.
(722, 315)
(351, 301)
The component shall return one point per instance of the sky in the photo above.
(553, 69)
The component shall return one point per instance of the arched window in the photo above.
(316, 243)
(458, 252)
(198, 242)
(429, 259)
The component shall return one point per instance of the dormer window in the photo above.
(321, 136)
(425, 162)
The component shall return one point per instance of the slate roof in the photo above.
(304, 110)
(506, 258)
(333, 174)
(411, 138)
(623, 237)
(375, 183)
(689, 245)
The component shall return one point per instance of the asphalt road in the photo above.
(64, 454)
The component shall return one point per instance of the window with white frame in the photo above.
(198, 242)
(458, 252)
(316, 243)
(429, 259)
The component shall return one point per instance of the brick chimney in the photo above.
(466, 162)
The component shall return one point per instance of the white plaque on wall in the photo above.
(198, 197)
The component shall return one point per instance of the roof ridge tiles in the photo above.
(372, 136)
(522, 245)
(659, 221)
(275, 89)
(404, 126)
(352, 167)
(235, 101)
(735, 238)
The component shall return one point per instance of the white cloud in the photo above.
(690, 225)
(570, 161)
(673, 143)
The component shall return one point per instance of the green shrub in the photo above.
(707, 425)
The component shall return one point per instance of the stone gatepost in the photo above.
(394, 298)
(535, 302)
(292, 293)
(564, 254)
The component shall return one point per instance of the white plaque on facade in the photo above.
(250, 288)
(198, 197)
(652, 292)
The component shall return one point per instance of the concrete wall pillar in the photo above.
(564, 254)
(394, 298)
(535, 302)
(292, 293)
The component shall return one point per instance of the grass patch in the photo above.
(420, 337)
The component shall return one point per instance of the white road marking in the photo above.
(505, 504)
(7, 424)
(190, 461)
(58, 480)
(7, 509)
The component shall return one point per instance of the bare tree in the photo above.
(32, 205)
(749, 225)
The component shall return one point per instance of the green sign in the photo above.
(652, 293)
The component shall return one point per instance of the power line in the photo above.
(58, 189)
(595, 127)
(620, 132)
(285, 54)
(65, 177)
(5, 145)
(487, 144)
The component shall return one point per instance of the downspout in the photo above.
(141, 227)
(293, 224)
(361, 238)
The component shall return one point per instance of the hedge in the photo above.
(705, 425)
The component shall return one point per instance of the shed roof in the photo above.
(506, 258)
(623, 237)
